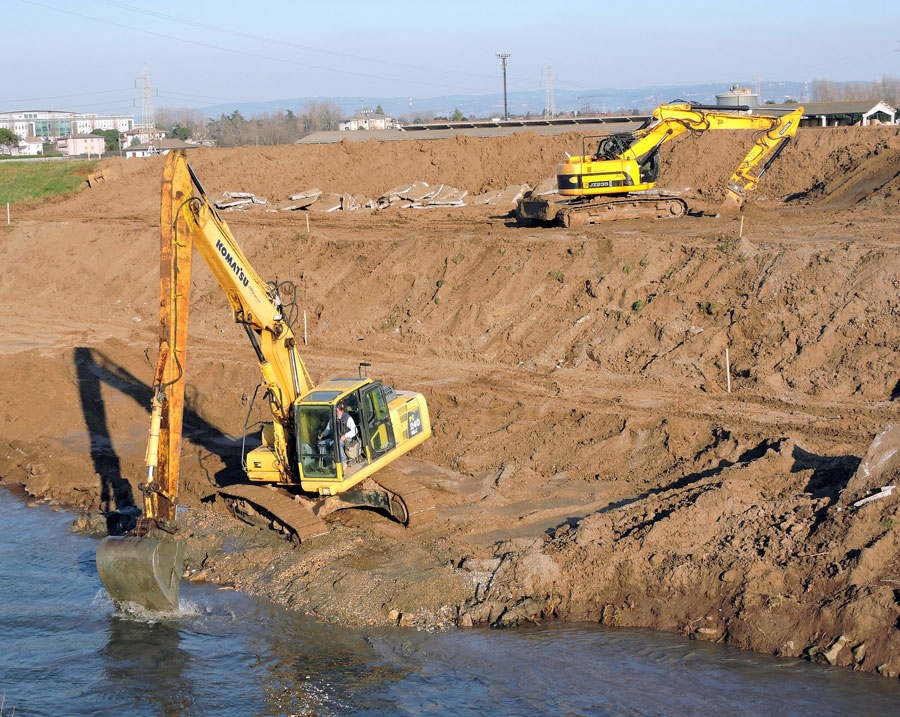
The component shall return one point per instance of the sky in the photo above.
(92, 55)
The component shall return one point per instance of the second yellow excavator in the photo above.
(325, 448)
(617, 181)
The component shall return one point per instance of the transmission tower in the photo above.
(147, 120)
(550, 100)
(503, 57)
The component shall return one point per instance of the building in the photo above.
(822, 114)
(162, 146)
(851, 112)
(81, 144)
(52, 124)
(366, 122)
(863, 113)
(142, 135)
(31, 146)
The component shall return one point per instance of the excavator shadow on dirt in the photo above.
(117, 501)
(144, 570)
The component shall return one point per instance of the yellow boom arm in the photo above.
(628, 162)
(189, 220)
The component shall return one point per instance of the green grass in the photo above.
(35, 180)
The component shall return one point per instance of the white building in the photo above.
(52, 124)
(31, 146)
(143, 135)
(368, 121)
(161, 146)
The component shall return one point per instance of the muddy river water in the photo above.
(65, 650)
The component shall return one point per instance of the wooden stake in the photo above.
(741, 231)
(728, 366)
(304, 317)
(307, 223)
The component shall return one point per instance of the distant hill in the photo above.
(611, 100)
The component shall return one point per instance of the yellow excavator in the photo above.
(302, 469)
(617, 181)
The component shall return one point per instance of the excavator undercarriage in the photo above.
(591, 210)
(300, 519)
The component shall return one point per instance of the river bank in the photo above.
(591, 460)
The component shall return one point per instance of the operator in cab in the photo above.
(346, 430)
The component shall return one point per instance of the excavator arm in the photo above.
(145, 567)
(767, 147)
(189, 220)
(773, 132)
(255, 304)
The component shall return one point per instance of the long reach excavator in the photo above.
(617, 181)
(308, 463)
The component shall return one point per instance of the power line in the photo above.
(268, 40)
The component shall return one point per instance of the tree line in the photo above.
(886, 89)
(234, 130)
(285, 127)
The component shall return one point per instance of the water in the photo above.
(65, 651)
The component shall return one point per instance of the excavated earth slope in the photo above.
(589, 461)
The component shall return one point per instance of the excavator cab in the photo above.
(612, 146)
(378, 411)
(612, 170)
(316, 446)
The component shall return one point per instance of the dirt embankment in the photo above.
(589, 461)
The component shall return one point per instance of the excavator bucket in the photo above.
(145, 571)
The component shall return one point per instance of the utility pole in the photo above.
(550, 100)
(503, 57)
(147, 120)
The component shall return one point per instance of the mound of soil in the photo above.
(648, 423)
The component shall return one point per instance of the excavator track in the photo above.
(580, 212)
(411, 503)
(604, 210)
(267, 507)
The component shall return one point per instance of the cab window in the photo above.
(316, 455)
(377, 419)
